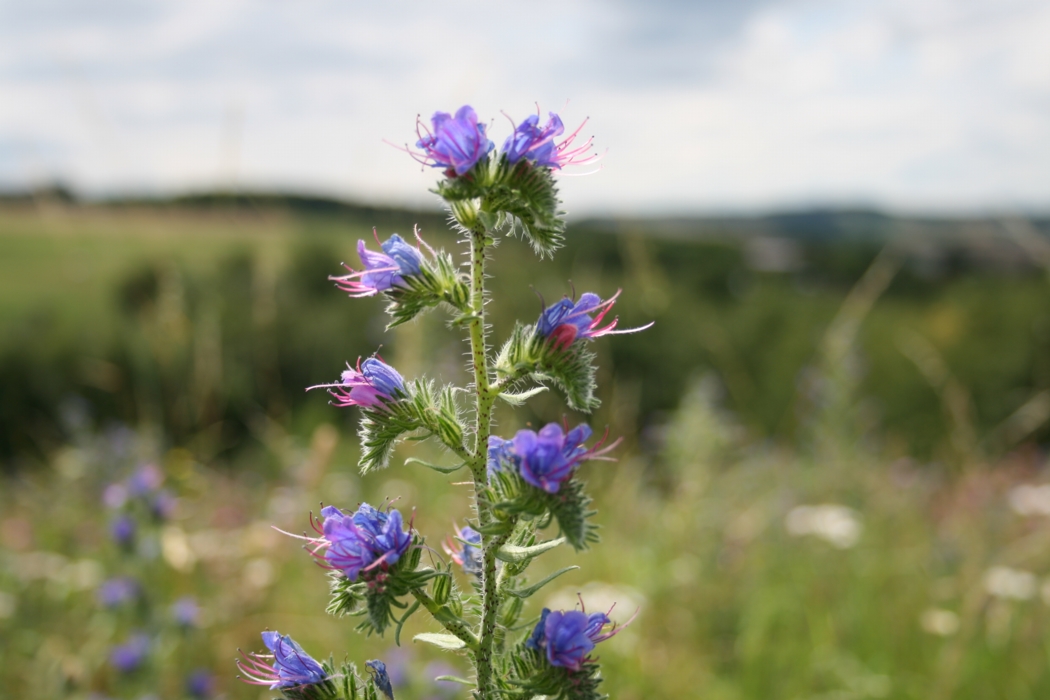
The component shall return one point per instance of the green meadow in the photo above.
(831, 485)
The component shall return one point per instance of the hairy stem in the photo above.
(484, 397)
(450, 623)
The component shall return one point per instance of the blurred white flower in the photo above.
(1030, 500)
(1013, 584)
(837, 525)
(942, 623)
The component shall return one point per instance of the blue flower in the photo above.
(456, 143)
(536, 144)
(185, 611)
(377, 669)
(500, 451)
(567, 321)
(372, 385)
(547, 459)
(382, 271)
(123, 530)
(128, 656)
(291, 667)
(146, 478)
(567, 637)
(466, 549)
(358, 543)
(117, 591)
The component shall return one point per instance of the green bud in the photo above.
(442, 589)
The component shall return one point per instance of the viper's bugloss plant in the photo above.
(524, 485)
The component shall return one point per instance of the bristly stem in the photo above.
(484, 397)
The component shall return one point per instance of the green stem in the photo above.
(449, 622)
(485, 396)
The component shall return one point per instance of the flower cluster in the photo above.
(372, 384)
(290, 667)
(382, 271)
(567, 637)
(357, 544)
(546, 459)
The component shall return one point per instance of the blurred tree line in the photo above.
(957, 336)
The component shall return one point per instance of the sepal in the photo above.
(511, 497)
(532, 676)
(572, 370)
(438, 281)
(420, 407)
(377, 592)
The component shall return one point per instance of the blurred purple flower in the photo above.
(456, 143)
(115, 496)
(381, 270)
(163, 505)
(201, 684)
(145, 479)
(117, 591)
(547, 459)
(500, 451)
(131, 654)
(291, 665)
(567, 637)
(123, 529)
(371, 385)
(468, 556)
(567, 321)
(186, 612)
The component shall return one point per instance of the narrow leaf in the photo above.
(527, 592)
(519, 398)
(512, 553)
(435, 467)
(454, 679)
(444, 641)
(401, 622)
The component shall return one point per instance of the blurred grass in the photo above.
(914, 407)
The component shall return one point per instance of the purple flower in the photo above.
(359, 543)
(115, 496)
(117, 591)
(377, 669)
(131, 654)
(291, 665)
(163, 505)
(146, 478)
(567, 637)
(186, 612)
(371, 385)
(567, 321)
(531, 142)
(548, 458)
(123, 530)
(456, 143)
(500, 451)
(466, 549)
(382, 271)
(200, 684)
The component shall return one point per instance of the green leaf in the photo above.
(519, 398)
(401, 622)
(435, 467)
(512, 553)
(444, 641)
(455, 679)
(530, 590)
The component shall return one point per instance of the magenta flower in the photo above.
(567, 321)
(536, 144)
(291, 666)
(456, 143)
(382, 271)
(372, 385)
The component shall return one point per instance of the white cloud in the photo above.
(908, 103)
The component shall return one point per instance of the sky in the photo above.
(701, 106)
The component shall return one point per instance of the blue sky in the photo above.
(914, 105)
